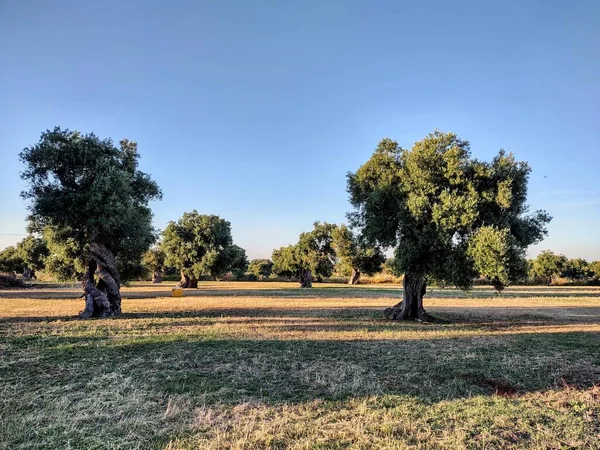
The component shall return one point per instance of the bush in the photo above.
(9, 280)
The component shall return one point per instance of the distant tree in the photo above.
(313, 255)
(33, 251)
(577, 269)
(594, 267)
(262, 268)
(285, 262)
(154, 259)
(201, 245)
(11, 261)
(92, 200)
(450, 217)
(355, 254)
(548, 265)
(239, 261)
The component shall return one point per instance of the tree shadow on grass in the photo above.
(237, 371)
(473, 355)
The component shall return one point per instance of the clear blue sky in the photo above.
(255, 110)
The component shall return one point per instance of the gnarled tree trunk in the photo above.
(411, 306)
(354, 277)
(102, 297)
(157, 275)
(305, 279)
(187, 281)
(28, 274)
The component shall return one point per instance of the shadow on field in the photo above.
(463, 316)
(238, 371)
(332, 292)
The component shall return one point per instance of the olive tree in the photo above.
(33, 251)
(548, 265)
(201, 245)
(450, 217)
(91, 198)
(313, 255)
(154, 259)
(355, 254)
(261, 267)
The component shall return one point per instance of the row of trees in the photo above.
(449, 217)
(549, 266)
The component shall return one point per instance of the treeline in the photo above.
(200, 247)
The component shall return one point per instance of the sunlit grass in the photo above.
(266, 365)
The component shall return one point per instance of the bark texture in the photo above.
(102, 296)
(187, 281)
(306, 279)
(411, 306)
(354, 277)
(157, 276)
(28, 274)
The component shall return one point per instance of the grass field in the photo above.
(266, 365)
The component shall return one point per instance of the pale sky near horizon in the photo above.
(256, 110)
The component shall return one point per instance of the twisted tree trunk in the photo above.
(305, 279)
(102, 297)
(187, 281)
(411, 306)
(28, 274)
(157, 275)
(354, 277)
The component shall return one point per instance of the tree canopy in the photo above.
(83, 190)
(354, 255)
(548, 265)
(201, 245)
(261, 267)
(449, 216)
(313, 255)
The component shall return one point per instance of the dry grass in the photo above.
(266, 365)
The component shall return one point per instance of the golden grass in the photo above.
(266, 365)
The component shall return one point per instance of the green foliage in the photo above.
(261, 267)
(285, 262)
(314, 251)
(577, 269)
(154, 258)
(11, 261)
(548, 265)
(201, 245)
(594, 267)
(33, 251)
(354, 254)
(431, 201)
(83, 189)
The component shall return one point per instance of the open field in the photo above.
(266, 365)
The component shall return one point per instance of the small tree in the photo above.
(576, 269)
(355, 254)
(548, 265)
(92, 199)
(154, 259)
(262, 268)
(450, 217)
(33, 251)
(595, 269)
(11, 261)
(201, 245)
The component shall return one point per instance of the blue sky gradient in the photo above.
(255, 110)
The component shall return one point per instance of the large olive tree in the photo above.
(89, 196)
(449, 216)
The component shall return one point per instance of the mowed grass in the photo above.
(267, 365)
